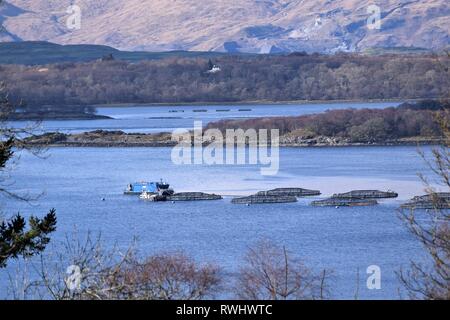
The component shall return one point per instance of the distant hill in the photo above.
(268, 78)
(41, 52)
(250, 26)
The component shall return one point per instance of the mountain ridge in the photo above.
(252, 26)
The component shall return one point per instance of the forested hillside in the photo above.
(267, 77)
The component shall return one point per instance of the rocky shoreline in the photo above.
(102, 138)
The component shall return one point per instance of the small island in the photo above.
(41, 113)
(407, 124)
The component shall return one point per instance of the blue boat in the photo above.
(137, 188)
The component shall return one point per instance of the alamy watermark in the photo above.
(74, 277)
(374, 279)
(73, 21)
(374, 19)
(236, 147)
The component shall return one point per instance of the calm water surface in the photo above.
(147, 119)
(344, 240)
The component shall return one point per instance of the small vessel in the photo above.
(149, 196)
(138, 188)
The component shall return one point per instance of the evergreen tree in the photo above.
(15, 238)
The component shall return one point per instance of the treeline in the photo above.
(364, 125)
(242, 78)
(66, 112)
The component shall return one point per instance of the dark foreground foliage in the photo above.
(15, 239)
